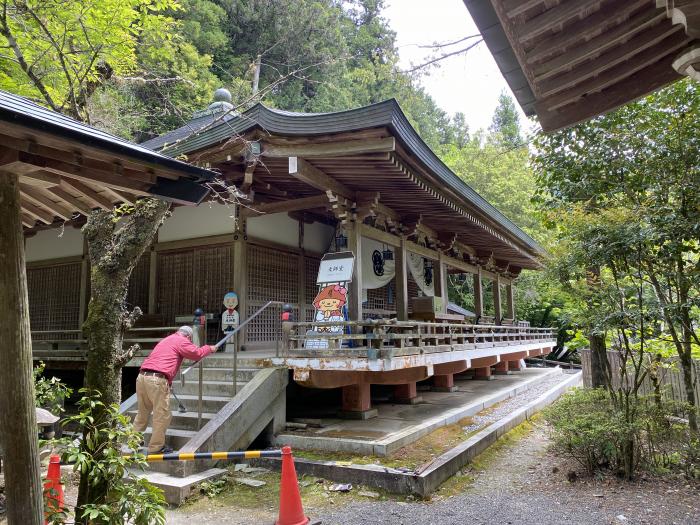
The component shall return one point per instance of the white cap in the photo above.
(186, 331)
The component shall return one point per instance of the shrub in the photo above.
(589, 426)
(99, 458)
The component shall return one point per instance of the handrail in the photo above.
(236, 330)
(198, 364)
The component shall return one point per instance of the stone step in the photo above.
(209, 388)
(174, 437)
(211, 373)
(184, 420)
(209, 403)
(225, 360)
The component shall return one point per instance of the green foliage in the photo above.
(101, 462)
(49, 393)
(590, 428)
(212, 488)
(505, 124)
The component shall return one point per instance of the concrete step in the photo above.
(184, 420)
(209, 388)
(225, 360)
(211, 373)
(175, 489)
(209, 403)
(174, 437)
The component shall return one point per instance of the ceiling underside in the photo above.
(570, 60)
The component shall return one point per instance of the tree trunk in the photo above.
(18, 431)
(600, 366)
(114, 252)
(686, 359)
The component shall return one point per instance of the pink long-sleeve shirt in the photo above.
(168, 355)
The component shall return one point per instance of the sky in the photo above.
(469, 82)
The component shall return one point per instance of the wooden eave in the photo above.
(66, 169)
(569, 60)
(406, 192)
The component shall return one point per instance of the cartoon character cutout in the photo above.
(229, 318)
(329, 306)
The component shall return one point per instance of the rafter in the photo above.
(37, 212)
(305, 172)
(41, 198)
(555, 16)
(72, 201)
(596, 45)
(95, 199)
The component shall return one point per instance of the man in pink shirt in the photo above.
(155, 380)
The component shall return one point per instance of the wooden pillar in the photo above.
(440, 280)
(153, 277)
(84, 294)
(401, 279)
(240, 276)
(18, 431)
(510, 301)
(301, 279)
(496, 290)
(478, 294)
(355, 291)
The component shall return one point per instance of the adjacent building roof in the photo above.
(205, 133)
(67, 168)
(570, 60)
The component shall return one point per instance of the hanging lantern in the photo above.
(341, 241)
(428, 271)
(387, 254)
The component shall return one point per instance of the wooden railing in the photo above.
(75, 340)
(384, 338)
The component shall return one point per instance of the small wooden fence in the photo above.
(670, 376)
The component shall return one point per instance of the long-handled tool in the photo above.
(181, 408)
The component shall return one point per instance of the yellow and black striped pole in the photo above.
(214, 456)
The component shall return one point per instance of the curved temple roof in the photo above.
(205, 132)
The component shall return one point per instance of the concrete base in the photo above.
(483, 373)
(407, 401)
(431, 475)
(444, 389)
(177, 489)
(406, 394)
(399, 425)
(359, 414)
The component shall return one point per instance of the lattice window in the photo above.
(137, 294)
(273, 275)
(54, 299)
(194, 278)
(311, 265)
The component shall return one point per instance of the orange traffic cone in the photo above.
(53, 490)
(291, 510)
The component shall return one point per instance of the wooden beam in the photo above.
(72, 201)
(329, 149)
(40, 198)
(28, 221)
(639, 62)
(598, 67)
(97, 200)
(517, 7)
(656, 75)
(82, 173)
(304, 203)
(37, 212)
(433, 255)
(354, 236)
(305, 172)
(460, 264)
(596, 45)
(379, 235)
(554, 16)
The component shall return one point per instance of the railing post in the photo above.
(199, 335)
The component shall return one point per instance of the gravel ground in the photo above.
(525, 484)
(507, 406)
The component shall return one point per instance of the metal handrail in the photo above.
(198, 364)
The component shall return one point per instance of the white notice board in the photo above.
(336, 268)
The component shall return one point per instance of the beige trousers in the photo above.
(153, 394)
